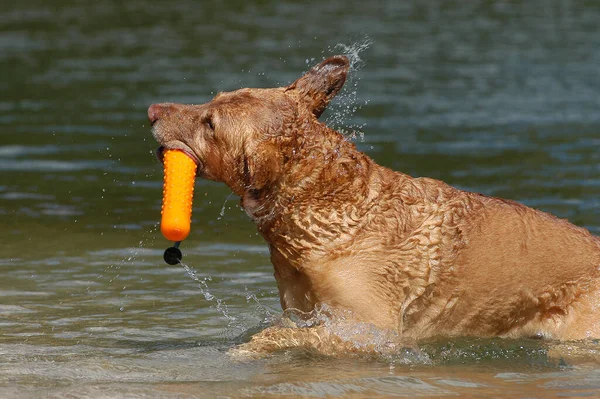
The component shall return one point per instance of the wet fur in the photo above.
(413, 256)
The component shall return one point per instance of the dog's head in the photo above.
(236, 138)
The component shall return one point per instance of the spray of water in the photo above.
(203, 286)
(222, 213)
(269, 317)
(346, 104)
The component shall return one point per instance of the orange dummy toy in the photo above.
(178, 192)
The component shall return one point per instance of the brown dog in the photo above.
(414, 256)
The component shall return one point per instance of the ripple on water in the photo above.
(52, 165)
(392, 385)
(15, 293)
(8, 310)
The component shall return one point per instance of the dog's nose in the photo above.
(155, 111)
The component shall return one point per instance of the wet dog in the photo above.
(412, 256)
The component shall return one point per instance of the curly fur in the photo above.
(409, 255)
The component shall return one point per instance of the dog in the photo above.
(412, 256)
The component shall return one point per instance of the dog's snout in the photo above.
(158, 111)
(155, 111)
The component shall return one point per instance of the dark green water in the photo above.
(497, 97)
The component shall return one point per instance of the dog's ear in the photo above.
(318, 86)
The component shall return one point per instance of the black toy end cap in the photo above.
(172, 255)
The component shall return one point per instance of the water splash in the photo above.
(204, 290)
(268, 316)
(347, 103)
(222, 213)
(352, 51)
(338, 330)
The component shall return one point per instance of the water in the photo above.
(495, 97)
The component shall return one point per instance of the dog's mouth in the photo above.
(160, 151)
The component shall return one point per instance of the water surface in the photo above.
(495, 97)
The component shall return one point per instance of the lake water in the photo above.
(495, 97)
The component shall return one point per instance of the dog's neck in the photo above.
(306, 209)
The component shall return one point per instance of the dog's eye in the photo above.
(209, 123)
